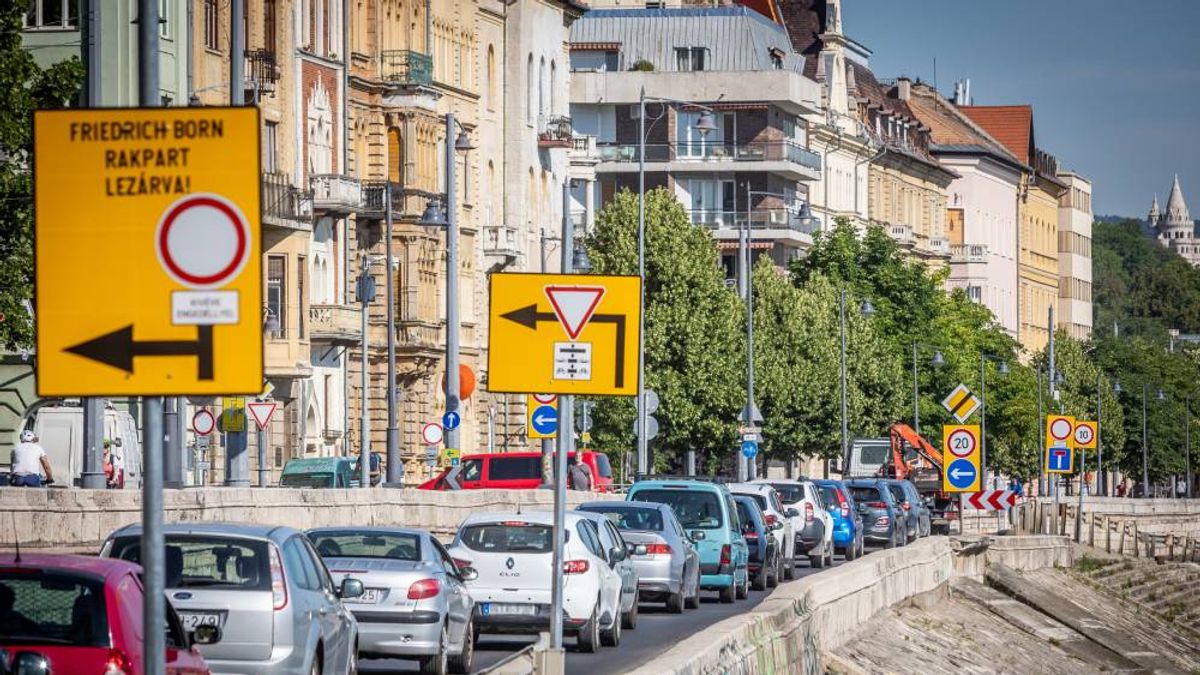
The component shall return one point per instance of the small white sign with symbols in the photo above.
(572, 361)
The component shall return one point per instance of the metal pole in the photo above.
(364, 440)
(237, 52)
(845, 424)
(743, 284)
(173, 457)
(92, 53)
(1053, 391)
(1101, 484)
(983, 421)
(547, 443)
(560, 463)
(92, 477)
(1145, 452)
(752, 466)
(452, 386)
(260, 439)
(1187, 443)
(1041, 436)
(916, 410)
(395, 469)
(643, 445)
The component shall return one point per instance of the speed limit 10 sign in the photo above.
(1085, 434)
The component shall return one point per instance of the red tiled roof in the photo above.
(1012, 125)
(948, 125)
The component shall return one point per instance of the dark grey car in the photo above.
(916, 512)
(883, 519)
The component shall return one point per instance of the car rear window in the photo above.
(790, 494)
(195, 561)
(694, 508)
(829, 494)
(743, 509)
(511, 537)
(350, 544)
(51, 608)
(897, 492)
(865, 494)
(514, 468)
(308, 480)
(603, 465)
(761, 499)
(630, 517)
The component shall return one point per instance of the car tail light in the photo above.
(117, 663)
(771, 520)
(424, 588)
(278, 581)
(726, 555)
(751, 536)
(575, 567)
(876, 505)
(460, 563)
(658, 549)
(808, 512)
(906, 506)
(844, 504)
(883, 521)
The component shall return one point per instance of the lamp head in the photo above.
(463, 142)
(1117, 388)
(580, 261)
(867, 309)
(706, 123)
(433, 215)
(938, 360)
(1160, 396)
(1003, 368)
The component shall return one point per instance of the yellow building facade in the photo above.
(1039, 251)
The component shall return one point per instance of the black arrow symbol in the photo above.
(118, 348)
(529, 317)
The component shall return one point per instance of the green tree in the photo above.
(26, 88)
(695, 326)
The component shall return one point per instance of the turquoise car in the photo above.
(708, 514)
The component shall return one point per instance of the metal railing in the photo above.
(968, 253)
(756, 151)
(284, 203)
(405, 68)
(334, 322)
(760, 219)
(555, 131)
(262, 71)
(406, 202)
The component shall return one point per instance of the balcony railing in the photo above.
(336, 194)
(501, 240)
(285, 205)
(760, 219)
(939, 245)
(756, 151)
(262, 71)
(407, 203)
(902, 233)
(405, 68)
(554, 132)
(968, 253)
(335, 323)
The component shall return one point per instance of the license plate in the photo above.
(193, 620)
(497, 608)
(370, 596)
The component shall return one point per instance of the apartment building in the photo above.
(1075, 314)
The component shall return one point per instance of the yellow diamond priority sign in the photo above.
(149, 271)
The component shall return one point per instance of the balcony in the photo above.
(555, 132)
(262, 73)
(785, 219)
(407, 203)
(939, 246)
(405, 68)
(419, 337)
(902, 234)
(501, 241)
(784, 157)
(339, 324)
(335, 194)
(285, 205)
(968, 253)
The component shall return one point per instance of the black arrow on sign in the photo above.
(118, 348)
(529, 317)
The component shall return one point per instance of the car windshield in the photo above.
(829, 495)
(695, 508)
(865, 494)
(630, 517)
(508, 537)
(39, 607)
(790, 494)
(207, 561)
(350, 544)
(320, 479)
(603, 465)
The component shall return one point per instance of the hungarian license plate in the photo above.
(500, 608)
(370, 596)
(193, 620)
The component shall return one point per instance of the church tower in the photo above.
(1176, 222)
(1152, 219)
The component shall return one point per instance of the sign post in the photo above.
(262, 412)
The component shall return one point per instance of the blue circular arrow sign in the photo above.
(961, 473)
(749, 449)
(450, 420)
(545, 419)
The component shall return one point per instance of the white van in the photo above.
(59, 428)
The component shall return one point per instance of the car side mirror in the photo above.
(206, 635)
(777, 525)
(468, 573)
(351, 588)
(696, 535)
(792, 512)
(616, 554)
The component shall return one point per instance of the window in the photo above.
(514, 468)
(379, 545)
(297, 566)
(276, 299)
(529, 89)
(630, 517)
(489, 86)
(695, 508)
(591, 539)
(269, 25)
(52, 14)
(212, 25)
(163, 21)
(209, 562)
(553, 87)
(54, 608)
(975, 293)
(689, 58)
(301, 299)
(509, 537)
(270, 147)
(541, 100)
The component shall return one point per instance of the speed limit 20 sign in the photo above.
(961, 470)
(1085, 434)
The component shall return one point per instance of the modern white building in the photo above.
(1075, 256)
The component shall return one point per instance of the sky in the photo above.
(1115, 85)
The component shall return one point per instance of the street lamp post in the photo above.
(866, 310)
(1187, 443)
(1002, 369)
(1159, 396)
(704, 125)
(937, 362)
(395, 470)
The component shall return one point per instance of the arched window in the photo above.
(541, 100)
(553, 87)
(395, 156)
(320, 132)
(489, 87)
(529, 89)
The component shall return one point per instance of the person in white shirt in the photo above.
(30, 465)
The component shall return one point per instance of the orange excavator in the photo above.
(905, 455)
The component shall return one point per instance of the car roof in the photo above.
(246, 530)
(85, 564)
(780, 481)
(746, 488)
(535, 517)
(677, 484)
(656, 506)
(378, 529)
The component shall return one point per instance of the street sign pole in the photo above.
(260, 440)
(565, 428)
(173, 458)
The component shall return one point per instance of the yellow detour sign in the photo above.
(960, 444)
(149, 264)
(1085, 434)
(563, 334)
(541, 415)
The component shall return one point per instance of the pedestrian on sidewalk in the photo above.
(579, 476)
(30, 465)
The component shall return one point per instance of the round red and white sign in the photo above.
(203, 240)
(203, 422)
(1061, 429)
(545, 399)
(431, 433)
(961, 443)
(1084, 434)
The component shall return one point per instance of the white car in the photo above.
(783, 527)
(812, 523)
(512, 553)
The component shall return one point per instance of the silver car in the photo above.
(265, 587)
(666, 561)
(414, 604)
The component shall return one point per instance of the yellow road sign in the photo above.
(233, 414)
(961, 403)
(149, 265)
(537, 421)
(1060, 431)
(1085, 434)
(563, 334)
(960, 444)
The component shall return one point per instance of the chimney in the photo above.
(903, 88)
(957, 92)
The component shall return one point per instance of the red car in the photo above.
(517, 471)
(83, 615)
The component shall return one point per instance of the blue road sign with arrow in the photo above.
(749, 449)
(451, 419)
(962, 473)
(545, 419)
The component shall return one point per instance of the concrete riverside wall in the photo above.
(1137, 507)
(79, 520)
(789, 630)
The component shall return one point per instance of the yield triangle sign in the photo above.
(574, 306)
(262, 411)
